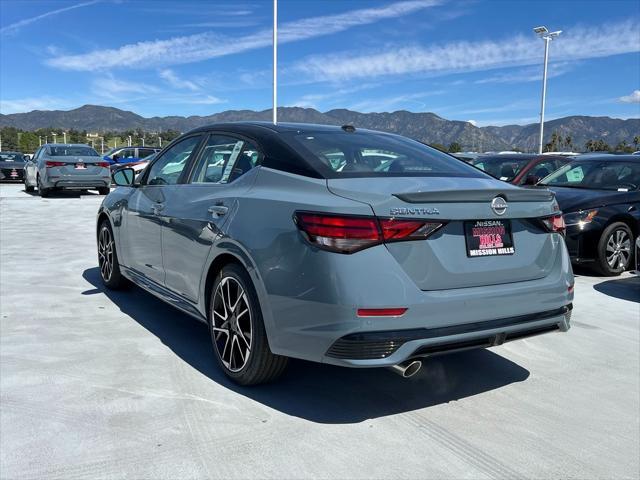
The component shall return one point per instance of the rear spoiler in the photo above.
(484, 195)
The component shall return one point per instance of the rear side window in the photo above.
(353, 154)
(145, 152)
(224, 159)
(168, 168)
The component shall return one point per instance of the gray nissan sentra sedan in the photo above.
(57, 166)
(337, 245)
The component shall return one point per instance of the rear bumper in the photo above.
(73, 184)
(392, 347)
(11, 175)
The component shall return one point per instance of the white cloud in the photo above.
(206, 100)
(33, 103)
(119, 90)
(575, 44)
(172, 79)
(528, 74)
(14, 27)
(381, 104)
(195, 48)
(633, 97)
(473, 122)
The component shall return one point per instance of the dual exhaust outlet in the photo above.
(407, 369)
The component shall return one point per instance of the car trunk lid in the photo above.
(442, 261)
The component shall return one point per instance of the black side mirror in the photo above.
(531, 179)
(124, 177)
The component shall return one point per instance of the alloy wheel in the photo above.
(105, 254)
(618, 249)
(232, 324)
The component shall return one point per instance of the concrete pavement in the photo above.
(98, 384)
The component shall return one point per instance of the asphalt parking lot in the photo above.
(97, 384)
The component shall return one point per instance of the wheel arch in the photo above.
(626, 219)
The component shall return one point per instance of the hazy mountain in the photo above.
(426, 127)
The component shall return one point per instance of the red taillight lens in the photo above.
(51, 164)
(554, 224)
(348, 234)
(103, 164)
(381, 312)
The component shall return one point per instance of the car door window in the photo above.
(144, 152)
(127, 153)
(543, 169)
(224, 159)
(168, 168)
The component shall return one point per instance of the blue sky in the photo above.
(461, 59)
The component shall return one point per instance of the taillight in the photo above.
(554, 224)
(348, 234)
(381, 312)
(103, 164)
(51, 164)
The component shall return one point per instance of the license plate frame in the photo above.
(488, 238)
(80, 166)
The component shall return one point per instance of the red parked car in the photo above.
(520, 168)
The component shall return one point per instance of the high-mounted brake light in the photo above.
(554, 224)
(381, 312)
(103, 164)
(348, 234)
(51, 164)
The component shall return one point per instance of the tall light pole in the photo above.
(102, 145)
(159, 141)
(39, 141)
(129, 140)
(547, 36)
(64, 137)
(275, 62)
(54, 136)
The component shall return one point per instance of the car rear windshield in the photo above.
(72, 151)
(605, 175)
(11, 157)
(370, 154)
(503, 168)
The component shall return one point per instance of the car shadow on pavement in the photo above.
(318, 392)
(623, 288)
(65, 193)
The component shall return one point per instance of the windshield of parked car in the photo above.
(11, 157)
(68, 151)
(369, 154)
(500, 167)
(604, 175)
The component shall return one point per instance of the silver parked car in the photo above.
(57, 166)
(337, 245)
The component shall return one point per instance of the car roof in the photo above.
(66, 145)
(606, 156)
(510, 156)
(279, 127)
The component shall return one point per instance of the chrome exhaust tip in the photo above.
(407, 369)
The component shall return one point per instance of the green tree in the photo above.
(438, 146)
(636, 141)
(454, 147)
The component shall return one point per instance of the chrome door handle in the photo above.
(157, 208)
(218, 210)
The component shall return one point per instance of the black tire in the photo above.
(257, 365)
(43, 192)
(615, 249)
(108, 258)
(104, 191)
(28, 188)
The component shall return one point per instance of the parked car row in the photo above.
(598, 193)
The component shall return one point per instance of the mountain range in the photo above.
(426, 127)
